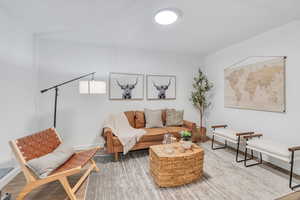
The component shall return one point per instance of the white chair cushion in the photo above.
(226, 133)
(270, 147)
(44, 165)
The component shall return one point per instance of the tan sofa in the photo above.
(152, 137)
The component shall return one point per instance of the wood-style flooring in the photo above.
(129, 179)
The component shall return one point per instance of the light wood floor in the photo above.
(50, 191)
(129, 179)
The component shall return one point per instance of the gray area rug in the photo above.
(129, 179)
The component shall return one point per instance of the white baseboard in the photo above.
(12, 174)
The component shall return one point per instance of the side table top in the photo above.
(159, 150)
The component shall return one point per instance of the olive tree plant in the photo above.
(201, 87)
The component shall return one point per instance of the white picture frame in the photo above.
(126, 86)
(161, 87)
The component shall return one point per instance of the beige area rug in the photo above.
(50, 191)
(224, 179)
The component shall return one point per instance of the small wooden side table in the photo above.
(169, 170)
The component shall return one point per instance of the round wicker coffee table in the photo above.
(169, 170)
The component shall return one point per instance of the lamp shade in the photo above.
(92, 87)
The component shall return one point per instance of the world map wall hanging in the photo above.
(258, 85)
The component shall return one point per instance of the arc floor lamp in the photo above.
(85, 87)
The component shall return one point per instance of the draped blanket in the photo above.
(121, 128)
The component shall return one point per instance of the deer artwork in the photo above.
(127, 89)
(162, 89)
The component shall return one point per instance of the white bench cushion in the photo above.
(270, 147)
(226, 133)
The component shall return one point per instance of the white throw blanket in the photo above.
(121, 128)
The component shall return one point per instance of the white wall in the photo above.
(18, 85)
(80, 117)
(280, 127)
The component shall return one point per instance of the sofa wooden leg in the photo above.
(116, 156)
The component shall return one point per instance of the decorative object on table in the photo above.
(123, 86)
(167, 138)
(186, 145)
(174, 117)
(90, 87)
(186, 135)
(199, 96)
(169, 170)
(161, 87)
(256, 83)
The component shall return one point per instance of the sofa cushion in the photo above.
(174, 117)
(226, 133)
(139, 119)
(269, 146)
(153, 118)
(130, 117)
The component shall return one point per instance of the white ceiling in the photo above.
(207, 25)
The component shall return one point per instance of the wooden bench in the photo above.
(42, 143)
(273, 149)
(233, 136)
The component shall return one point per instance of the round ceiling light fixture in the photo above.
(167, 16)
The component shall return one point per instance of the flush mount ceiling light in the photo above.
(167, 16)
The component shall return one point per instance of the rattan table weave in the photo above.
(169, 170)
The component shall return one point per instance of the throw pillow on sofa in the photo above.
(153, 118)
(44, 165)
(174, 117)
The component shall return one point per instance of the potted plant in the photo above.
(186, 135)
(201, 87)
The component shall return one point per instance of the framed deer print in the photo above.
(123, 86)
(161, 87)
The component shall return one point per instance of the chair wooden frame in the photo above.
(34, 182)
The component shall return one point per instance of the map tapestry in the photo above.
(258, 86)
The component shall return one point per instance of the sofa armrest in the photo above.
(190, 125)
(108, 136)
(295, 148)
(252, 136)
(219, 126)
(244, 133)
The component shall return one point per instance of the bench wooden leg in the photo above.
(116, 156)
(68, 189)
